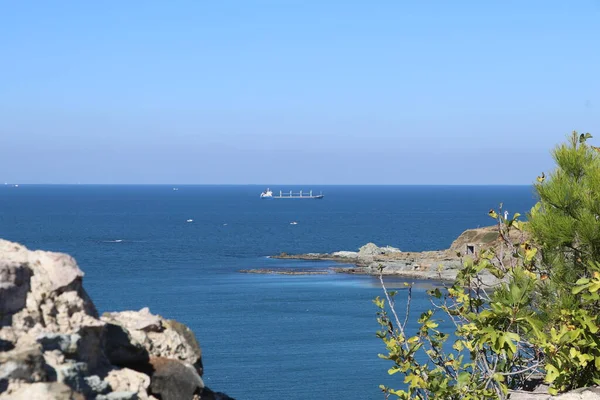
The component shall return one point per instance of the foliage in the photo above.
(540, 318)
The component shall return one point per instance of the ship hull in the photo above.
(295, 197)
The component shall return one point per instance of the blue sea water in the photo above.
(263, 336)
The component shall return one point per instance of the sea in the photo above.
(263, 337)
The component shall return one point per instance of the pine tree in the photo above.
(566, 221)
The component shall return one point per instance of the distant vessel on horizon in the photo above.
(268, 194)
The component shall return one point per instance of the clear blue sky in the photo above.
(289, 91)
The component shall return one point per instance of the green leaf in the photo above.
(579, 289)
(463, 378)
(551, 373)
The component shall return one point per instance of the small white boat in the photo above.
(293, 223)
(176, 189)
(190, 220)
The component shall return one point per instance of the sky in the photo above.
(289, 91)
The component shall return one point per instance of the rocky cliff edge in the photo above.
(54, 345)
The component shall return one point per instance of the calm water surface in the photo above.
(263, 336)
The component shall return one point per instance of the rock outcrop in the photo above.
(53, 344)
(371, 259)
(592, 393)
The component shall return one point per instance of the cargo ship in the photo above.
(268, 194)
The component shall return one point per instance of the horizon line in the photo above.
(266, 185)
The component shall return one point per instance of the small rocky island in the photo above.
(371, 259)
(54, 345)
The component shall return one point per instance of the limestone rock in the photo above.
(54, 346)
(141, 320)
(22, 364)
(345, 254)
(523, 395)
(121, 349)
(158, 336)
(369, 249)
(41, 391)
(128, 380)
(65, 343)
(45, 289)
(14, 286)
(118, 396)
(592, 393)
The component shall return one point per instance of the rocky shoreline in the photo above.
(373, 260)
(54, 345)
(370, 259)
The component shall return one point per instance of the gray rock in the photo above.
(54, 346)
(174, 380)
(40, 288)
(173, 340)
(96, 385)
(591, 393)
(121, 349)
(65, 343)
(72, 374)
(90, 349)
(119, 396)
(6, 345)
(369, 249)
(208, 394)
(41, 391)
(345, 254)
(141, 320)
(75, 375)
(522, 395)
(23, 364)
(128, 380)
(14, 286)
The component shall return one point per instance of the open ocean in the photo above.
(263, 337)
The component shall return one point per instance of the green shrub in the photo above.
(542, 318)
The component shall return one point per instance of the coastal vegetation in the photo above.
(538, 326)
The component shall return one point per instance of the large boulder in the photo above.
(53, 345)
(40, 289)
(371, 250)
(41, 391)
(15, 281)
(128, 380)
(23, 364)
(174, 379)
(590, 393)
(158, 336)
